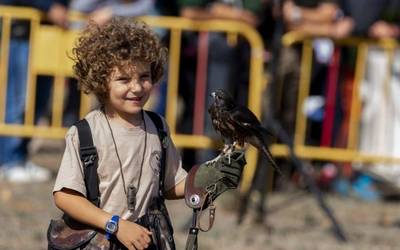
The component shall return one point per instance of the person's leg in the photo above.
(220, 70)
(11, 152)
(221, 57)
(71, 111)
(43, 92)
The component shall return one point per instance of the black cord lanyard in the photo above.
(132, 190)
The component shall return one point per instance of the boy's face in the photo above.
(129, 88)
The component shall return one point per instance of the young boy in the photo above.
(120, 62)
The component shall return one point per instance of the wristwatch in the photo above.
(112, 226)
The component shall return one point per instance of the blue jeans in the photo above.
(13, 150)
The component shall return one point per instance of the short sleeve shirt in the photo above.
(132, 145)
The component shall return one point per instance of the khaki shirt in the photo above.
(130, 145)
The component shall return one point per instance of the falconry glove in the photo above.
(207, 181)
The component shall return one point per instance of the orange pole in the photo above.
(329, 117)
(201, 84)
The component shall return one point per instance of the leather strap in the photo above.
(89, 159)
(195, 197)
(211, 218)
(89, 156)
(163, 136)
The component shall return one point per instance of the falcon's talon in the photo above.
(231, 149)
(215, 159)
(226, 149)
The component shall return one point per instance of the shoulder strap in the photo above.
(163, 136)
(89, 158)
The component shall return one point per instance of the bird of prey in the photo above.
(238, 124)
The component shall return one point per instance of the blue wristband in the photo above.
(112, 226)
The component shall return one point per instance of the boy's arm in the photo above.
(177, 192)
(225, 171)
(325, 13)
(79, 208)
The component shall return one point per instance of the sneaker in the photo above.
(28, 173)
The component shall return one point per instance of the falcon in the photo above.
(237, 124)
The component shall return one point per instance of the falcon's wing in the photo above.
(243, 115)
(246, 119)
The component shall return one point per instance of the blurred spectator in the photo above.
(14, 165)
(223, 70)
(245, 11)
(375, 18)
(227, 65)
(159, 95)
(380, 119)
(101, 11)
(316, 18)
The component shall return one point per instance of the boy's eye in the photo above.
(122, 79)
(145, 77)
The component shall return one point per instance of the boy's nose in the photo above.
(135, 86)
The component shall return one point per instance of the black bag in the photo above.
(160, 225)
(67, 234)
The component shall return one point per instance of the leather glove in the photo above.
(209, 180)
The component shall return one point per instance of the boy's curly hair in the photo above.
(102, 48)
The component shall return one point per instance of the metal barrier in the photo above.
(256, 78)
(48, 48)
(350, 153)
(50, 45)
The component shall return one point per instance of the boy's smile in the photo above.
(129, 89)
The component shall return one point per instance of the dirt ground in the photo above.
(292, 224)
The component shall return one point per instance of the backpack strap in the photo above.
(89, 159)
(163, 136)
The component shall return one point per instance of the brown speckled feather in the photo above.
(237, 123)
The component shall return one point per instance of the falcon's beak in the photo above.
(213, 94)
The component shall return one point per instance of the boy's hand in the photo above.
(133, 235)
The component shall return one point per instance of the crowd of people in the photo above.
(227, 65)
